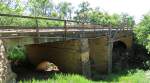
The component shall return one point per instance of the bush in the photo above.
(139, 57)
(16, 53)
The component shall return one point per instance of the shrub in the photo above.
(16, 53)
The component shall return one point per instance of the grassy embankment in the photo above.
(130, 76)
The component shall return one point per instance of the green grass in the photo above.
(131, 76)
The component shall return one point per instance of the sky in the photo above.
(134, 8)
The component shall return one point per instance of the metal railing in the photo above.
(77, 26)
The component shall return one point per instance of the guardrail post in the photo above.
(110, 47)
(95, 31)
(65, 31)
(37, 32)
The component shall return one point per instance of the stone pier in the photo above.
(86, 66)
(6, 74)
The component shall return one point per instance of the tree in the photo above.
(127, 20)
(115, 20)
(142, 31)
(44, 8)
(103, 18)
(82, 12)
(40, 7)
(10, 7)
(64, 9)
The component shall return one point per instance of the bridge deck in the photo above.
(56, 32)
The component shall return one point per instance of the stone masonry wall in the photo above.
(68, 54)
(6, 75)
(98, 55)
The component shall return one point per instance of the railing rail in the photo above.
(31, 17)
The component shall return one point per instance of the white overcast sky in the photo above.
(135, 8)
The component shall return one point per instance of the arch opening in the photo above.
(118, 54)
(119, 44)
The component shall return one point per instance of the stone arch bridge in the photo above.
(77, 48)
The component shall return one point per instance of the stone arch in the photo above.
(127, 41)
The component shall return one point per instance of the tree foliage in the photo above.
(62, 10)
(82, 13)
(142, 31)
(40, 7)
(10, 7)
(85, 13)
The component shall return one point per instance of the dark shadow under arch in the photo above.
(119, 44)
(118, 53)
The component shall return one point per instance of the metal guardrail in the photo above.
(66, 28)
